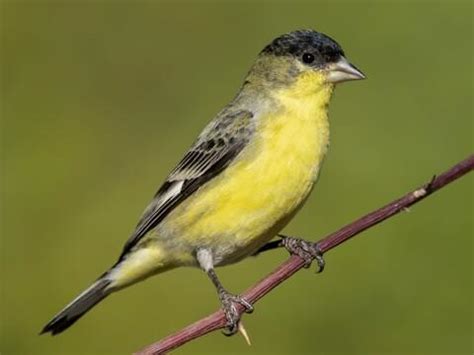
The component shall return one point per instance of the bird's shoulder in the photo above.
(215, 148)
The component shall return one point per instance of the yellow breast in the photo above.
(257, 194)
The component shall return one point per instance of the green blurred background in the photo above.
(100, 100)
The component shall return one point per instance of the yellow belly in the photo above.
(248, 203)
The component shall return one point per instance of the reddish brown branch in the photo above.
(293, 264)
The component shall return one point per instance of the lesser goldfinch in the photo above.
(244, 178)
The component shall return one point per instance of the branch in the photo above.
(217, 320)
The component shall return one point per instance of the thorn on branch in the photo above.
(244, 333)
(430, 186)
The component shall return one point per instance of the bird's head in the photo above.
(303, 54)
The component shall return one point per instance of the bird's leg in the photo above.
(308, 251)
(274, 244)
(228, 300)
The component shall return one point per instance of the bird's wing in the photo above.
(217, 146)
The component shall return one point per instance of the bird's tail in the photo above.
(135, 267)
(79, 306)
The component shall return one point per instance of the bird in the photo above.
(243, 179)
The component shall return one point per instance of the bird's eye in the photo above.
(308, 58)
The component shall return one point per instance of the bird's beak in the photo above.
(342, 70)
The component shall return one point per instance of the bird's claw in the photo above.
(232, 315)
(307, 251)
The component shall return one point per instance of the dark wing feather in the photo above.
(218, 145)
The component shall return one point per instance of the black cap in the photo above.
(311, 47)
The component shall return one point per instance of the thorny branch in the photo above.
(217, 320)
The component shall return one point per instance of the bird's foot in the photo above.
(308, 251)
(229, 302)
